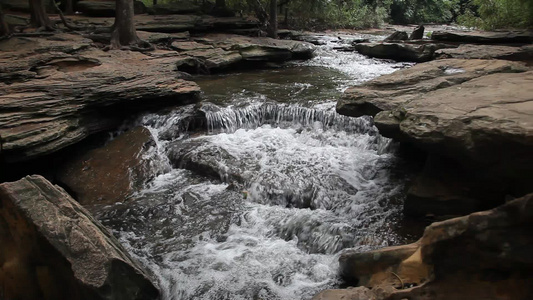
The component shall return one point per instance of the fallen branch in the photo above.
(401, 281)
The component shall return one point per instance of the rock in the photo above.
(174, 8)
(391, 92)
(399, 51)
(111, 173)
(445, 189)
(471, 51)
(214, 52)
(397, 36)
(485, 123)
(52, 248)
(192, 23)
(418, 33)
(382, 267)
(358, 293)
(108, 87)
(105, 8)
(484, 37)
(467, 114)
(479, 256)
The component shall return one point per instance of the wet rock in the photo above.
(484, 37)
(418, 33)
(481, 255)
(397, 36)
(52, 248)
(111, 173)
(72, 91)
(471, 51)
(105, 8)
(399, 51)
(381, 267)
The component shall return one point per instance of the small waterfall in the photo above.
(274, 184)
(230, 119)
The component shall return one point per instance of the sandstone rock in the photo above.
(399, 51)
(382, 266)
(470, 51)
(214, 52)
(391, 92)
(418, 33)
(485, 255)
(105, 8)
(484, 37)
(111, 173)
(397, 36)
(469, 113)
(52, 248)
(70, 95)
(486, 123)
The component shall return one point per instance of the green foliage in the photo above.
(494, 14)
(421, 11)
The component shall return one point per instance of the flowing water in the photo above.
(260, 203)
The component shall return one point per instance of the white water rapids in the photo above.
(260, 205)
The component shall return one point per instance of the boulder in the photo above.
(399, 51)
(70, 91)
(484, 37)
(397, 36)
(418, 33)
(214, 52)
(105, 8)
(485, 123)
(485, 255)
(473, 51)
(469, 116)
(111, 173)
(52, 248)
(391, 92)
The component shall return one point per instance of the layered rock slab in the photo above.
(58, 97)
(474, 114)
(52, 248)
(485, 255)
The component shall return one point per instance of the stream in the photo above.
(260, 203)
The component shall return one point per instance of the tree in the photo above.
(221, 4)
(39, 17)
(273, 19)
(123, 32)
(4, 29)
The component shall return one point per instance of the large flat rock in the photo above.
(52, 248)
(474, 115)
(484, 37)
(392, 91)
(474, 51)
(56, 93)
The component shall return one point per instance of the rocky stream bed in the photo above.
(279, 169)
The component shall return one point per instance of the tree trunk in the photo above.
(69, 8)
(273, 23)
(39, 17)
(124, 33)
(4, 30)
